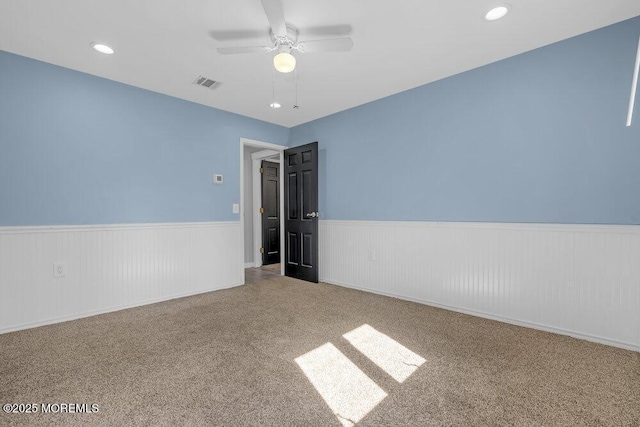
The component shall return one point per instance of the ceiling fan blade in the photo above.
(328, 31)
(224, 36)
(242, 49)
(330, 45)
(275, 15)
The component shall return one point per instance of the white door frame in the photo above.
(245, 142)
(256, 160)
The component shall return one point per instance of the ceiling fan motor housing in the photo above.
(289, 40)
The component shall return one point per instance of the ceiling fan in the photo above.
(284, 40)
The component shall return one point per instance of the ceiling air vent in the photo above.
(208, 83)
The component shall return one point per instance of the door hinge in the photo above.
(261, 250)
(261, 210)
(261, 170)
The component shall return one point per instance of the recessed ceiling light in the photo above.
(275, 105)
(497, 12)
(102, 48)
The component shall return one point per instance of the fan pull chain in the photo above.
(295, 104)
(273, 87)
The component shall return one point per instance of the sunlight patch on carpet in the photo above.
(390, 356)
(348, 391)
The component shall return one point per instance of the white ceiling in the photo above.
(163, 45)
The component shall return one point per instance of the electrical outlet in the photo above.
(236, 208)
(59, 269)
(372, 255)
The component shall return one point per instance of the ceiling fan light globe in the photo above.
(284, 62)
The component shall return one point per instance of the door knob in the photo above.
(312, 215)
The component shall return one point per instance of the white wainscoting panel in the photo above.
(578, 280)
(110, 268)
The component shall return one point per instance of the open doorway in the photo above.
(252, 154)
(266, 219)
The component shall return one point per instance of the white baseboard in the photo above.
(573, 334)
(576, 280)
(249, 265)
(112, 309)
(110, 267)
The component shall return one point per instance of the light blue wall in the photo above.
(78, 149)
(539, 137)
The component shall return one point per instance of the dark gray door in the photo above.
(270, 213)
(300, 171)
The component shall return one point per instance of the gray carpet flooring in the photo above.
(230, 358)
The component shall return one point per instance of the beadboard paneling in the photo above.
(110, 268)
(578, 280)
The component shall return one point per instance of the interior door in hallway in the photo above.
(300, 171)
(270, 212)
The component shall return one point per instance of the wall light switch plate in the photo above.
(59, 269)
(236, 208)
(218, 178)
